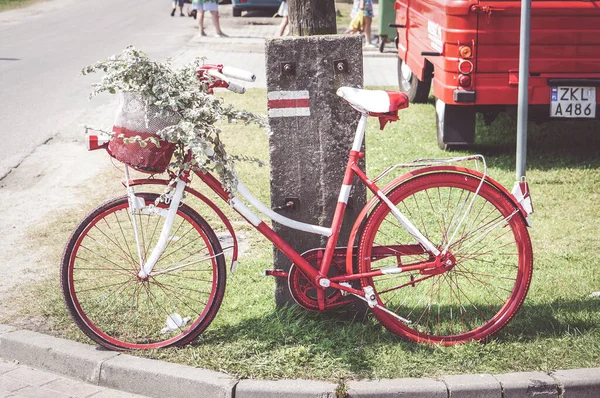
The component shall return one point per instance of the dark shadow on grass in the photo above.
(293, 325)
(292, 339)
(554, 319)
(350, 336)
(550, 145)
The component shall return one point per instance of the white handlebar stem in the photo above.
(218, 75)
(238, 74)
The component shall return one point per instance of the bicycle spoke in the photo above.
(181, 248)
(123, 234)
(126, 259)
(177, 266)
(151, 240)
(127, 254)
(118, 267)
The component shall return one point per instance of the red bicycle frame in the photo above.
(319, 277)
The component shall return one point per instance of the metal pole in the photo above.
(523, 90)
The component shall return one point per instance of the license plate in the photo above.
(574, 102)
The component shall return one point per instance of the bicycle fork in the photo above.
(137, 204)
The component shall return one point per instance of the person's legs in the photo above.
(283, 12)
(282, 26)
(201, 22)
(367, 22)
(367, 29)
(215, 21)
(174, 8)
(213, 7)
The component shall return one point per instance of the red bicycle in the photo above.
(441, 254)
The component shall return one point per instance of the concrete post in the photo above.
(313, 130)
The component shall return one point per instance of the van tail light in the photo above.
(465, 51)
(465, 66)
(464, 80)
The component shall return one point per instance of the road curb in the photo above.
(40, 351)
(164, 379)
(155, 378)
(284, 389)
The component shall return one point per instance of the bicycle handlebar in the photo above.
(223, 73)
(236, 73)
(224, 82)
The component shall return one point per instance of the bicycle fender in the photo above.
(208, 202)
(366, 210)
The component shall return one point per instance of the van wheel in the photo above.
(417, 91)
(237, 12)
(455, 125)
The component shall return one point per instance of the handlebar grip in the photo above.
(236, 88)
(238, 74)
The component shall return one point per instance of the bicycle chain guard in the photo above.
(307, 294)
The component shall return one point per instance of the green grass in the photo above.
(558, 326)
(10, 4)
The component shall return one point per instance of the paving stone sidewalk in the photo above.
(18, 380)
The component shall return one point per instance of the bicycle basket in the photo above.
(133, 119)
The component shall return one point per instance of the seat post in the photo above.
(360, 132)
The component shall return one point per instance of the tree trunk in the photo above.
(312, 17)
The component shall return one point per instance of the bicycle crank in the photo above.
(307, 294)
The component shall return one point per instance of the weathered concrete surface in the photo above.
(527, 384)
(398, 388)
(579, 383)
(164, 379)
(70, 358)
(308, 154)
(473, 386)
(284, 389)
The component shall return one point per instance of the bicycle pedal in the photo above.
(276, 272)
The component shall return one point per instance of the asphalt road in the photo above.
(42, 50)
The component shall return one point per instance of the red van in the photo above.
(469, 50)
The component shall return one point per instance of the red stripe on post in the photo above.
(288, 103)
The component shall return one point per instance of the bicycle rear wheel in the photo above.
(117, 309)
(468, 301)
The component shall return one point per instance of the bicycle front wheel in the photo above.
(119, 310)
(489, 241)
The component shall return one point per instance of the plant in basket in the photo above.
(164, 114)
